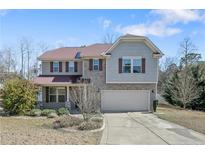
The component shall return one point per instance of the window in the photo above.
(61, 94)
(52, 94)
(55, 66)
(126, 65)
(137, 65)
(95, 64)
(71, 66)
(57, 94)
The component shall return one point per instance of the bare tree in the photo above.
(185, 91)
(186, 84)
(189, 52)
(26, 50)
(2, 64)
(22, 51)
(86, 98)
(167, 67)
(181, 86)
(189, 59)
(29, 50)
(41, 47)
(167, 62)
(8, 60)
(109, 38)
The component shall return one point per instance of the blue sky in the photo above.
(166, 28)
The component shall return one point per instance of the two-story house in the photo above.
(125, 73)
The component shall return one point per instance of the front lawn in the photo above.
(191, 119)
(29, 130)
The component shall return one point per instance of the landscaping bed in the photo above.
(191, 119)
(40, 130)
(77, 123)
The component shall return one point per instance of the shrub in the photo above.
(35, 112)
(46, 112)
(177, 89)
(52, 115)
(57, 124)
(89, 125)
(97, 119)
(63, 111)
(19, 96)
(67, 121)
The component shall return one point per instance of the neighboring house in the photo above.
(125, 73)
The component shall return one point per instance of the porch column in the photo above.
(40, 96)
(68, 93)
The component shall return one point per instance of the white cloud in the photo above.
(174, 16)
(105, 23)
(153, 29)
(164, 23)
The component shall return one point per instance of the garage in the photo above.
(125, 100)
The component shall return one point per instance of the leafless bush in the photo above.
(86, 98)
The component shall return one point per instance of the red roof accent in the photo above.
(56, 79)
(66, 53)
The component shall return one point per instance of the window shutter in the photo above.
(120, 65)
(90, 64)
(60, 66)
(100, 64)
(143, 65)
(47, 94)
(51, 66)
(67, 66)
(75, 66)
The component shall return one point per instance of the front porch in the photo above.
(55, 97)
(54, 91)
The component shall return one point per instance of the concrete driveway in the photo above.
(146, 128)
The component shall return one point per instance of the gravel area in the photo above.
(22, 130)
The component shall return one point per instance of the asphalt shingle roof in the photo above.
(66, 53)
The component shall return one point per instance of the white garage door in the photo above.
(125, 100)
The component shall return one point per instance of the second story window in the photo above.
(96, 64)
(71, 66)
(55, 66)
(126, 65)
(137, 65)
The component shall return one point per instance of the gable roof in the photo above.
(129, 37)
(95, 50)
(65, 53)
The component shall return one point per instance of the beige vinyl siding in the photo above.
(131, 49)
(46, 69)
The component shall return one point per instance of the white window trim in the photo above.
(56, 94)
(124, 65)
(97, 65)
(52, 95)
(53, 66)
(140, 58)
(69, 66)
(131, 58)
